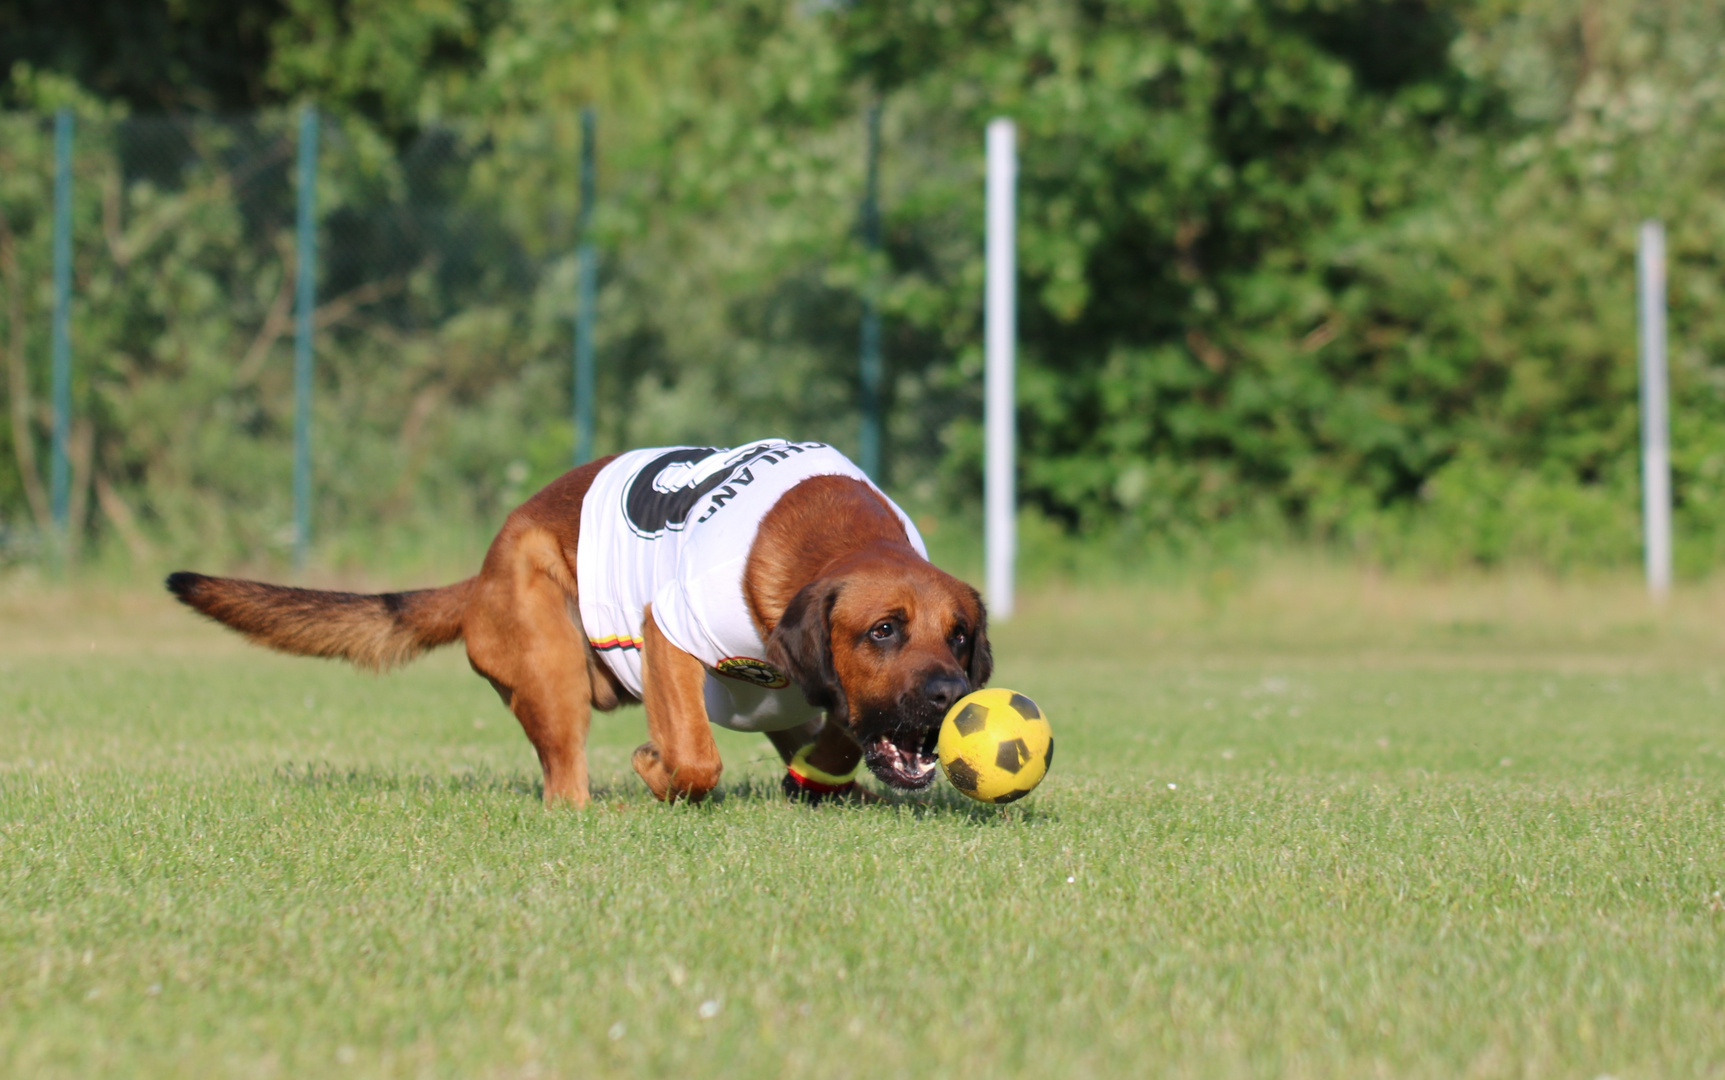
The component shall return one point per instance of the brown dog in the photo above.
(876, 638)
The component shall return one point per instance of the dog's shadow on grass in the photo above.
(940, 804)
(362, 780)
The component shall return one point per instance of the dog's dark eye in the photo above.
(882, 631)
(959, 638)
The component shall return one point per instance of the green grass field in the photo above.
(1304, 823)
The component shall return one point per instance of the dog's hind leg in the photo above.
(521, 637)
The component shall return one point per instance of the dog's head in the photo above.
(885, 643)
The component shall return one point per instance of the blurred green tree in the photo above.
(1354, 270)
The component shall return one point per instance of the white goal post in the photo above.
(1655, 409)
(999, 332)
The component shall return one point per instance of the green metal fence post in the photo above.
(870, 359)
(59, 468)
(305, 259)
(586, 289)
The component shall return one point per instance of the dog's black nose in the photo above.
(944, 689)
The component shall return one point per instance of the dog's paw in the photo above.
(812, 793)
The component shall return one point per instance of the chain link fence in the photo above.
(443, 326)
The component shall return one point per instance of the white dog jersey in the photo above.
(672, 526)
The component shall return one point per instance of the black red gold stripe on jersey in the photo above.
(615, 641)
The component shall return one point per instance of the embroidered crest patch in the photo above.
(750, 670)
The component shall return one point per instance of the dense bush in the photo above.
(1362, 268)
(1359, 271)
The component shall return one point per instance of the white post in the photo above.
(999, 332)
(1655, 409)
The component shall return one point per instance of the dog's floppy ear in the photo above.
(981, 655)
(801, 646)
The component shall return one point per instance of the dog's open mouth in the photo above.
(904, 759)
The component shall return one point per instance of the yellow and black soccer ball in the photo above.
(995, 745)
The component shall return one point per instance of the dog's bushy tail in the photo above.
(373, 631)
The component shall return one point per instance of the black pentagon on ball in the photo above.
(1026, 708)
(971, 719)
(1048, 758)
(1012, 755)
(1011, 796)
(963, 777)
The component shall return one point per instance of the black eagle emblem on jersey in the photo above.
(653, 508)
(651, 511)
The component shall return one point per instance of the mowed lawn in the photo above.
(1306, 823)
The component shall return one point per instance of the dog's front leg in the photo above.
(820, 762)
(681, 760)
(791, 740)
